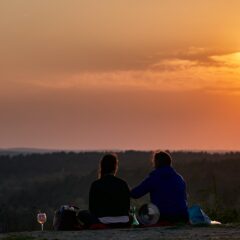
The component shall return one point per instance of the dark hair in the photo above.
(162, 159)
(108, 165)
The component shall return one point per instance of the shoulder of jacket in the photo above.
(119, 179)
(153, 172)
(94, 183)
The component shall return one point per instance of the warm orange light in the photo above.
(232, 59)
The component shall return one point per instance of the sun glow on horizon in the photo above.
(232, 59)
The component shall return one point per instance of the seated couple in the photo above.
(109, 196)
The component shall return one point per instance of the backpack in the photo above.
(65, 219)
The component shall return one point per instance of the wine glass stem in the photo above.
(42, 226)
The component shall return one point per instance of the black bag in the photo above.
(65, 219)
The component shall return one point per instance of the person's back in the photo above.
(168, 193)
(109, 197)
(167, 190)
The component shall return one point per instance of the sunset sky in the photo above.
(120, 74)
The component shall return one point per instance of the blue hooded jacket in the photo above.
(167, 191)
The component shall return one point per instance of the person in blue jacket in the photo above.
(167, 190)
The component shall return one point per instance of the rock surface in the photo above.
(176, 233)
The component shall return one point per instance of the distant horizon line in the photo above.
(39, 149)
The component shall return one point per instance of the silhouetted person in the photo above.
(109, 196)
(167, 190)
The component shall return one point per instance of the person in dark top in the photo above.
(167, 190)
(109, 196)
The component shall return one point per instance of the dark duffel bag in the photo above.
(65, 219)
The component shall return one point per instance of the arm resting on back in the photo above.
(142, 189)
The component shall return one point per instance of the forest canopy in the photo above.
(45, 181)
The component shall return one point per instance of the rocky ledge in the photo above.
(223, 232)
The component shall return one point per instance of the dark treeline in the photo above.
(33, 182)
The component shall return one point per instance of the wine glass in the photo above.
(42, 218)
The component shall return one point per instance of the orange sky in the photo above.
(123, 74)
